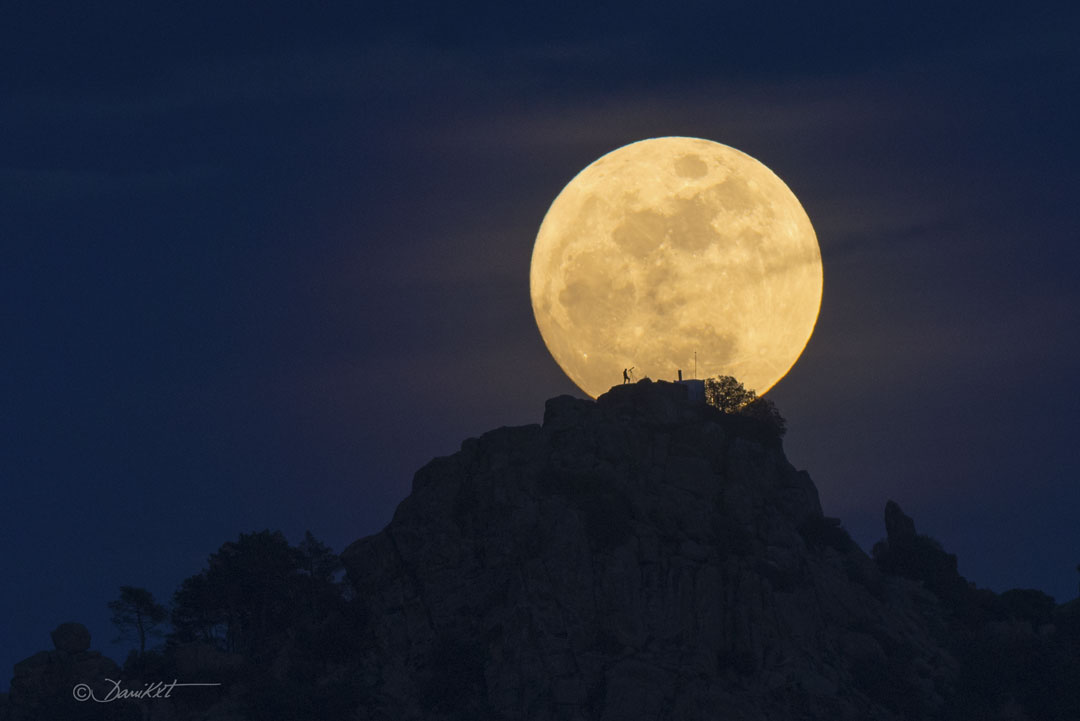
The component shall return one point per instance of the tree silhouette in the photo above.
(199, 612)
(254, 590)
(246, 592)
(728, 395)
(316, 559)
(318, 565)
(137, 615)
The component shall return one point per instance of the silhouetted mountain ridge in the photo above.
(643, 557)
(640, 556)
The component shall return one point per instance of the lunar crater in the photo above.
(690, 166)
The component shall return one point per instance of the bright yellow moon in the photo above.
(671, 246)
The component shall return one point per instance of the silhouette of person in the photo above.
(625, 375)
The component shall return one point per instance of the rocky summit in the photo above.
(640, 556)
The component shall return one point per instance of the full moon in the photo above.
(674, 250)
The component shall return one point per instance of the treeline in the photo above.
(273, 623)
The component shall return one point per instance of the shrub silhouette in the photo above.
(765, 411)
(1028, 604)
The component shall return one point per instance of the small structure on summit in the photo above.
(695, 389)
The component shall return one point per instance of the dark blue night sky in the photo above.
(263, 261)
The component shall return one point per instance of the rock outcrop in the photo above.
(71, 638)
(899, 527)
(636, 557)
(44, 685)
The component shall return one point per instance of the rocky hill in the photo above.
(640, 557)
(636, 557)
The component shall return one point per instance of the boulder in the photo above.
(71, 637)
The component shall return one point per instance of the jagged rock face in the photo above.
(899, 527)
(637, 557)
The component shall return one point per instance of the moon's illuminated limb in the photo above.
(671, 246)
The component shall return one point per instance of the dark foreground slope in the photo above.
(638, 557)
